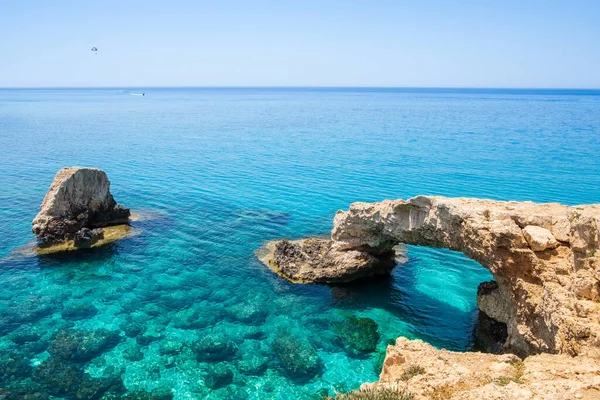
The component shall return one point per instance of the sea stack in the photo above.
(77, 206)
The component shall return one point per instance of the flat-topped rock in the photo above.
(76, 207)
(543, 257)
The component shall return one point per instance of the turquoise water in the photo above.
(185, 308)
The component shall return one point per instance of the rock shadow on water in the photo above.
(430, 319)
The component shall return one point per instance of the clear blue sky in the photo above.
(452, 43)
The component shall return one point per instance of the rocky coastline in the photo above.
(546, 288)
(79, 211)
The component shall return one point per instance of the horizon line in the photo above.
(302, 87)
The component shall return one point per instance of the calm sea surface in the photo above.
(185, 307)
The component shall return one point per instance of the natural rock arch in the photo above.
(542, 256)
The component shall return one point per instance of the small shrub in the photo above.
(504, 380)
(412, 371)
(373, 394)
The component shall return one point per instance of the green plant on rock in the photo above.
(412, 371)
(520, 369)
(373, 394)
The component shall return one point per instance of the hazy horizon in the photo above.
(380, 44)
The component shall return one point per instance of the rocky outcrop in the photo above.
(76, 207)
(429, 373)
(316, 260)
(543, 258)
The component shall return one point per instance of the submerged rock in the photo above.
(82, 345)
(13, 365)
(359, 335)
(215, 347)
(132, 328)
(79, 200)
(298, 357)
(31, 309)
(64, 379)
(254, 364)
(218, 375)
(133, 353)
(170, 347)
(248, 313)
(79, 311)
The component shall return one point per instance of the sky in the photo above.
(396, 43)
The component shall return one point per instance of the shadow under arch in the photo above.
(433, 291)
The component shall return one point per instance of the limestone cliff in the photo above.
(77, 204)
(543, 258)
(429, 373)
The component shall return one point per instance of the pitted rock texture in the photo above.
(79, 198)
(430, 373)
(314, 260)
(543, 257)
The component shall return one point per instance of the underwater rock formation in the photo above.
(298, 357)
(358, 335)
(215, 347)
(78, 202)
(543, 258)
(430, 373)
(80, 346)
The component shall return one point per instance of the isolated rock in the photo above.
(316, 260)
(548, 286)
(78, 198)
(430, 373)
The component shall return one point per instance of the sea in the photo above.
(184, 309)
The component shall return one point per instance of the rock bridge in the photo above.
(543, 258)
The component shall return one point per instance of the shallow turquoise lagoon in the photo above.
(184, 309)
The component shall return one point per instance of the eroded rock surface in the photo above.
(543, 257)
(316, 260)
(77, 206)
(430, 373)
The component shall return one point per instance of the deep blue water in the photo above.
(215, 173)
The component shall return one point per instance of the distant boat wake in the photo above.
(134, 94)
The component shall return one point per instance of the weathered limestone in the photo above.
(315, 260)
(543, 258)
(430, 373)
(77, 205)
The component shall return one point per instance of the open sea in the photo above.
(185, 309)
